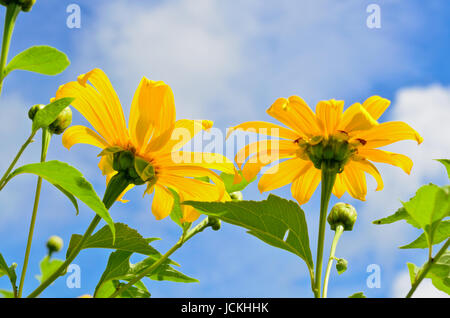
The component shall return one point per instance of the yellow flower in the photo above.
(345, 141)
(152, 138)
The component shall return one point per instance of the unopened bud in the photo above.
(26, 4)
(342, 214)
(61, 122)
(214, 223)
(236, 196)
(341, 265)
(54, 244)
(34, 109)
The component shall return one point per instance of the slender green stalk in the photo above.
(115, 187)
(337, 235)
(46, 136)
(328, 179)
(4, 180)
(184, 238)
(12, 11)
(426, 268)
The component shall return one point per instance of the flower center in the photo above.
(334, 151)
(137, 170)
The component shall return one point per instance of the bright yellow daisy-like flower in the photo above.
(149, 149)
(330, 138)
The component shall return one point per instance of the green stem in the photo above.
(115, 187)
(46, 136)
(337, 235)
(184, 238)
(12, 11)
(4, 180)
(328, 178)
(426, 268)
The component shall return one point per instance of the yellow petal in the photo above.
(190, 214)
(376, 106)
(281, 174)
(354, 181)
(329, 114)
(184, 130)
(198, 159)
(306, 183)
(356, 118)
(370, 169)
(152, 112)
(391, 158)
(162, 202)
(82, 135)
(265, 147)
(192, 188)
(106, 166)
(264, 128)
(103, 86)
(387, 133)
(339, 188)
(296, 114)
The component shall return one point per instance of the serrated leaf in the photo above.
(71, 180)
(120, 268)
(127, 239)
(41, 59)
(230, 186)
(429, 205)
(48, 266)
(47, 115)
(446, 163)
(271, 221)
(441, 233)
(358, 295)
(133, 292)
(399, 215)
(439, 273)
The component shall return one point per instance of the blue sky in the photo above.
(228, 61)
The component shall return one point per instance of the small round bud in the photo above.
(236, 196)
(61, 122)
(34, 109)
(214, 223)
(54, 244)
(27, 4)
(342, 214)
(341, 265)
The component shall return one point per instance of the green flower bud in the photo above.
(341, 265)
(214, 223)
(26, 4)
(61, 122)
(54, 244)
(34, 109)
(236, 196)
(123, 160)
(342, 214)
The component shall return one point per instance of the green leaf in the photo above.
(439, 273)
(41, 59)
(358, 295)
(70, 197)
(48, 267)
(441, 233)
(133, 292)
(71, 180)
(176, 214)
(429, 205)
(47, 115)
(228, 180)
(6, 293)
(399, 215)
(276, 221)
(120, 268)
(126, 239)
(446, 163)
(9, 271)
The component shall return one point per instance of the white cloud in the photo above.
(223, 58)
(402, 285)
